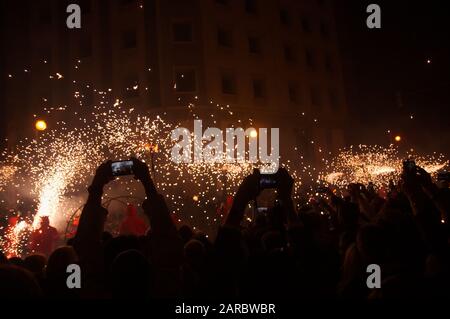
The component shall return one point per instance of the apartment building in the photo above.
(274, 61)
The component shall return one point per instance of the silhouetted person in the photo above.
(56, 273)
(17, 283)
(131, 276)
(44, 238)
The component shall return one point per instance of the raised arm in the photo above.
(164, 243)
(154, 205)
(93, 216)
(87, 241)
(285, 186)
(415, 184)
(248, 190)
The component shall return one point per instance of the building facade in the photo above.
(274, 61)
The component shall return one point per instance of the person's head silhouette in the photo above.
(45, 221)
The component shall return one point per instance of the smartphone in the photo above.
(121, 168)
(267, 181)
(262, 210)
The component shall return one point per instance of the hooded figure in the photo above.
(44, 238)
(133, 224)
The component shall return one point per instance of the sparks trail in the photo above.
(376, 164)
(54, 169)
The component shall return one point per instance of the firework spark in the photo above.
(54, 169)
(376, 164)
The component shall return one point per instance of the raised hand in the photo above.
(425, 178)
(285, 183)
(250, 185)
(103, 176)
(142, 173)
(248, 190)
(410, 182)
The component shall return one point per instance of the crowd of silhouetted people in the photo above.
(320, 249)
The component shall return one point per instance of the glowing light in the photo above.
(41, 125)
(195, 198)
(253, 133)
(398, 138)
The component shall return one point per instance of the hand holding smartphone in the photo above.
(138, 169)
(122, 168)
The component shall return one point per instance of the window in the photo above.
(334, 102)
(324, 30)
(328, 63)
(306, 26)
(315, 97)
(293, 93)
(310, 61)
(224, 38)
(251, 6)
(228, 84)
(185, 80)
(254, 45)
(289, 54)
(129, 40)
(259, 89)
(284, 17)
(85, 46)
(182, 32)
(131, 86)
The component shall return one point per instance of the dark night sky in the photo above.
(386, 75)
(2, 79)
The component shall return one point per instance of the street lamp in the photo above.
(41, 125)
(253, 133)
